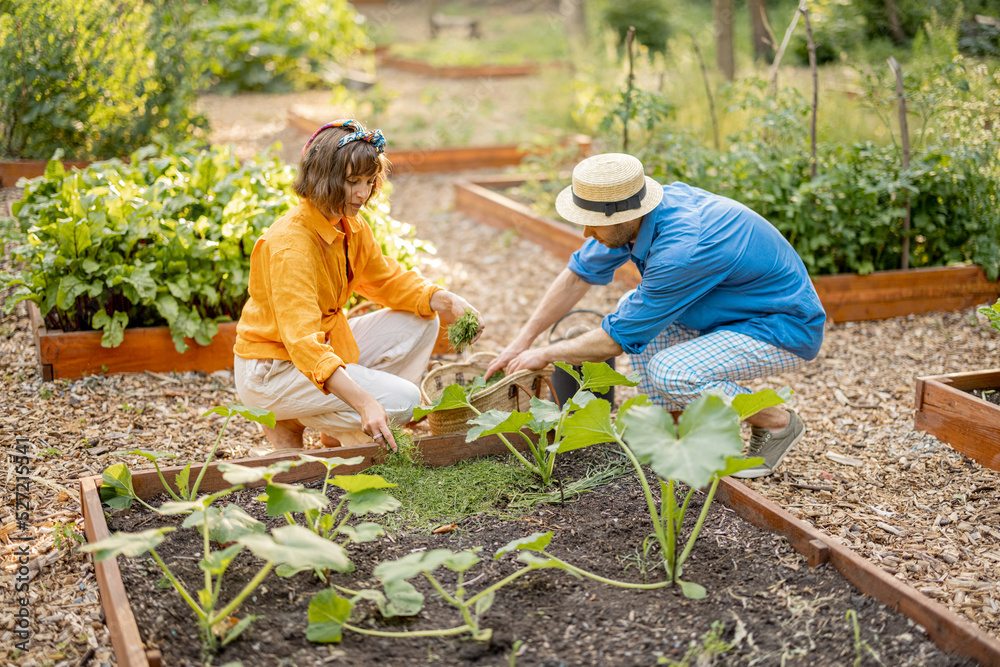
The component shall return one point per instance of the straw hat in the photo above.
(608, 189)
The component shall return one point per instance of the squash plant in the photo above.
(544, 418)
(164, 238)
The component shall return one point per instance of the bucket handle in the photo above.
(572, 312)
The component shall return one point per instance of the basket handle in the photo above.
(536, 393)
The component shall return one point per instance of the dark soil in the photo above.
(990, 395)
(773, 607)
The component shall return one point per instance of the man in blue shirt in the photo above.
(723, 299)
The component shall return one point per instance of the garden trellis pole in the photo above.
(784, 45)
(708, 91)
(629, 38)
(904, 140)
(815, 102)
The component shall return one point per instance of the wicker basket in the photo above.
(512, 393)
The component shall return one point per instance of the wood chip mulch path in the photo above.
(862, 474)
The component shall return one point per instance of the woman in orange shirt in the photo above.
(297, 355)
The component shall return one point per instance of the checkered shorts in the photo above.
(679, 365)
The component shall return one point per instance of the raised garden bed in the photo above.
(411, 160)
(457, 71)
(13, 170)
(63, 355)
(947, 408)
(846, 298)
(744, 565)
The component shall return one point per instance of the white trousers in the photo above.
(395, 347)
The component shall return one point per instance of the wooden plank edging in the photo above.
(969, 424)
(845, 297)
(949, 631)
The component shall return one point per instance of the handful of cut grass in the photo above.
(463, 330)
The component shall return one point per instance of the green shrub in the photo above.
(274, 45)
(94, 79)
(163, 239)
(650, 18)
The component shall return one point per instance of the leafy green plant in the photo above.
(93, 79)
(274, 45)
(363, 494)
(291, 546)
(699, 450)
(544, 418)
(462, 331)
(992, 313)
(65, 535)
(163, 239)
(116, 488)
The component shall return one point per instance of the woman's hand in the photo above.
(374, 419)
(449, 307)
(375, 422)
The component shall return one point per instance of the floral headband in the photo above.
(374, 137)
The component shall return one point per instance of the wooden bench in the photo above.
(441, 22)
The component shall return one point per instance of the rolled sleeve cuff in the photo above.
(627, 346)
(324, 369)
(424, 302)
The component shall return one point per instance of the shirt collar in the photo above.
(644, 239)
(324, 226)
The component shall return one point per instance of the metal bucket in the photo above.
(563, 383)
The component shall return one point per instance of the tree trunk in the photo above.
(895, 27)
(575, 21)
(764, 42)
(724, 16)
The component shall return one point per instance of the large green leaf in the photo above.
(363, 532)
(545, 415)
(235, 473)
(372, 501)
(462, 561)
(401, 599)
(258, 415)
(497, 421)
(127, 544)
(116, 486)
(638, 399)
(747, 405)
(218, 561)
(327, 614)
(533, 542)
(599, 377)
(151, 456)
(413, 564)
(225, 525)
(298, 547)
(331, 462)
(452, 397)
(285, 498)
(588, 426)
(708, 435)
(359, 483)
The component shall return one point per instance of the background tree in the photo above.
(763, 39)
(724, 58)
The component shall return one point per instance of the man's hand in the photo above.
(449, 307)
(531, 360)
(504, 358)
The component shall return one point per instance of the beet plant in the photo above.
(544, 418)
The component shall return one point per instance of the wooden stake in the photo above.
(784, 45)
(629, 37)
(904, 140)
(708, 92)
(815, 78)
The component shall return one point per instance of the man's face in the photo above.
(613, 236)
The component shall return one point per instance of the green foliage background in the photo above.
(162, 239)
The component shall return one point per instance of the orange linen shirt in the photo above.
(298, 288)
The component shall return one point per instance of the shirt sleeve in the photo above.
(666, 291)
(297, 312)
(595, 264)
(381, 279)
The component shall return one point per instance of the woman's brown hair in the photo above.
(324, 168)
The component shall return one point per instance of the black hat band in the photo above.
(609, 208)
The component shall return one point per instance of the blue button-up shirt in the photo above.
(708, 263)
